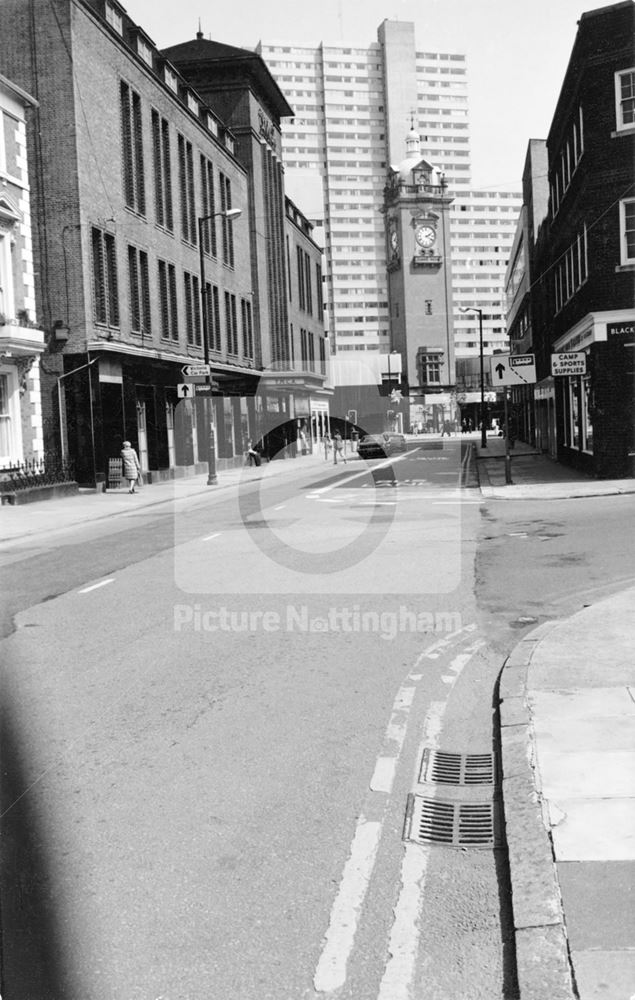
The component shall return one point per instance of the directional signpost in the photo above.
(513, 369)
(195, 371)
(571, 363)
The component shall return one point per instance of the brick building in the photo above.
(238, 86)
(21, 340)
(582, 295)
(134, 172)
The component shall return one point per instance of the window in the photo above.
(168, 302)
(192, 311)
(186, 189)
(231, 325)
(145, 51)
(162, 172)
(318, 286)
(625, 99)
(114, 18)
(309, 290)
(139, 291)
(171, 79)
(227, 224)
(214, 327)
(132, 147)
(429, 364)
(8, 449)
(301, 289)
(627, 231)
(571, 271)
(105, 287)
(208, 228)
(248, 335)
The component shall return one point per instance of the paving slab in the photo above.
(599, 900)
(616, 732)
(594, 829)
(604, 975)
(587, 774)
(548, 706)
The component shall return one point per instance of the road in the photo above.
(214, 714)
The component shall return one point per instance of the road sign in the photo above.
(189, 371)
(184, 390)
(513, 369)
(205, 390)
(572, 363)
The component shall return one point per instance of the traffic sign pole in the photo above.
(508, 458)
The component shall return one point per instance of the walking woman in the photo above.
(131, 465)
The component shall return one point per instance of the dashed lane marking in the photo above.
(208, 538)
(94, 586)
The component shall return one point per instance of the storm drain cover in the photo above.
(457, 768)
(456, 824)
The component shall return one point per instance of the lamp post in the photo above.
(229, 213)
(475, 309)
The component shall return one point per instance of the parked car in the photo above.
(381, 445)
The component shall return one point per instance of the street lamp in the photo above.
(228, 213)
(475, 309)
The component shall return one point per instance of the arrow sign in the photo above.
(513, 369)
(193, 370)
(184, 391)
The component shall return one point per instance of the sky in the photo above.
(517, 52)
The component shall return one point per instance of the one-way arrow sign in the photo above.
(184, 390)
(513, 369)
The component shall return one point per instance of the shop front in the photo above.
(595, 411)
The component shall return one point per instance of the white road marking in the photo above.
(280, 506)
(404, 936)
(208, 538)
(331, 969)
(405, 697)
(94, 586)
(384, 775)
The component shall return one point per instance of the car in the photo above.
(380, 445)
(396, 442)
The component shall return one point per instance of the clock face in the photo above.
(425, 236)
(394, 240)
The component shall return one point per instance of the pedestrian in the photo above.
(326, 440)
(131, 467)
(252, 455)
(447, 429)
(338, 448)
(304, 447)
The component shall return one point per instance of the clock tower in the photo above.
(416, 209)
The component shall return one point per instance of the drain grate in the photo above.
(456, 824)
(444, 768)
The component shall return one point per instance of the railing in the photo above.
(51, 470)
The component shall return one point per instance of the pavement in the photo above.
(567, 712)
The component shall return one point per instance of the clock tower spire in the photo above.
(416, 209)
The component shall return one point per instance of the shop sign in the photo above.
(571, 363)
(620, 329)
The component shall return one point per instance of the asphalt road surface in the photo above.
(214, 713)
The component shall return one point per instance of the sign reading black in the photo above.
(620, 329)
